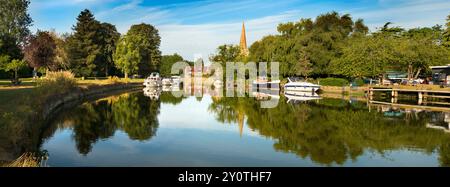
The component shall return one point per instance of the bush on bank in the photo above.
(330, 81)
(56, 82)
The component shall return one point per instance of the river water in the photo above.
(159, 129)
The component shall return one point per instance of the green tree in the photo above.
(14, 29)
(308, 44)
(345, 133)
(83, 49)
(15, 66)
(127, 56)
(107, 39)
(15, 20)
(226, 53)
(61, 60)
(365, 57)
(303, 67)
(416, 55)
(446, 35)
(167, 62)
(148, 47)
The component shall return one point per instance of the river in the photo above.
(137, 129)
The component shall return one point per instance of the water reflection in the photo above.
(325, 131)
(134, 114)
(330, 132)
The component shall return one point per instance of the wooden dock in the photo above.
(422, 95)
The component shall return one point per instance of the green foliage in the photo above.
(333, 81)
(411, 51)
(14, 21)
(333, 44)
(227, 53)
(167, 62)
(108, 38)
(15, 65)
(60, 61)
(148, 47)
(90, 48)
(4, 59)
(446, 35)
(127, 56)
(358, 82)
(82, 47)
(364, 57)
(307, 47)
(14, 28)
(133, 114)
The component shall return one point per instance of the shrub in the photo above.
(113, 79)
(56, 82)
(330, 81)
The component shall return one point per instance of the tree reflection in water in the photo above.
(329, 132)
(132, 113)
(332, 131)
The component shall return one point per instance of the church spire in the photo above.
(243, 43)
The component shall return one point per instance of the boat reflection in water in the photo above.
(295, 96)
(152, 92)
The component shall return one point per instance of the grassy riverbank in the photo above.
(19, 102)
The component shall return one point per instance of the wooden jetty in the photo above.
(422, 95)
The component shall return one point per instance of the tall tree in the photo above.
(149, 47)
(446, 35)
(41, 51)
(83, 47)
(416, 54)
(14, 24)
(108, 39)
(226, 53)
(15, 20)
(167, 62)
(308, 43)
(15, 66)
(127, 56)
(61, 60)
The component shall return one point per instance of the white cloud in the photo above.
(199, 27)
(204, 39)
(406, 14)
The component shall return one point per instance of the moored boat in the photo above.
(301, 86)
(154, 80)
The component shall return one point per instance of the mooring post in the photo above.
(394, 99)
(370, 92)
(420, 97)
(394, 93)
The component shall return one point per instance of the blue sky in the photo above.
(193, 28)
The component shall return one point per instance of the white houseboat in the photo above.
(301, 86)
(154, 80)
